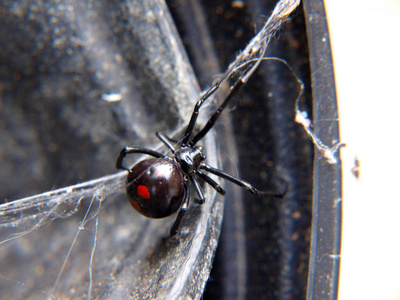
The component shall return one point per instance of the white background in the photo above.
(365, 40)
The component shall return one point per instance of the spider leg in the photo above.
(231, 178)
(130, 150)
(172, 141)
(199, 103)
(279, 195)
(184, 207)
(211, 182)
(201, 199)
(210, 123)
(240, 182)
(166, 140)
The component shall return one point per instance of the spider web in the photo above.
(40, 217)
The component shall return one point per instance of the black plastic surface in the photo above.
(264, 246)
(327, 189)
(59, 62)
(59, 59)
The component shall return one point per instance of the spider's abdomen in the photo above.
(155, 187)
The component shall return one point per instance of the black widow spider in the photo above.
(159, 186)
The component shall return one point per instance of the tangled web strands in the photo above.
(71, 265)
(22, 216)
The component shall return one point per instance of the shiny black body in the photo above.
(157, 194)
(160, 180)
